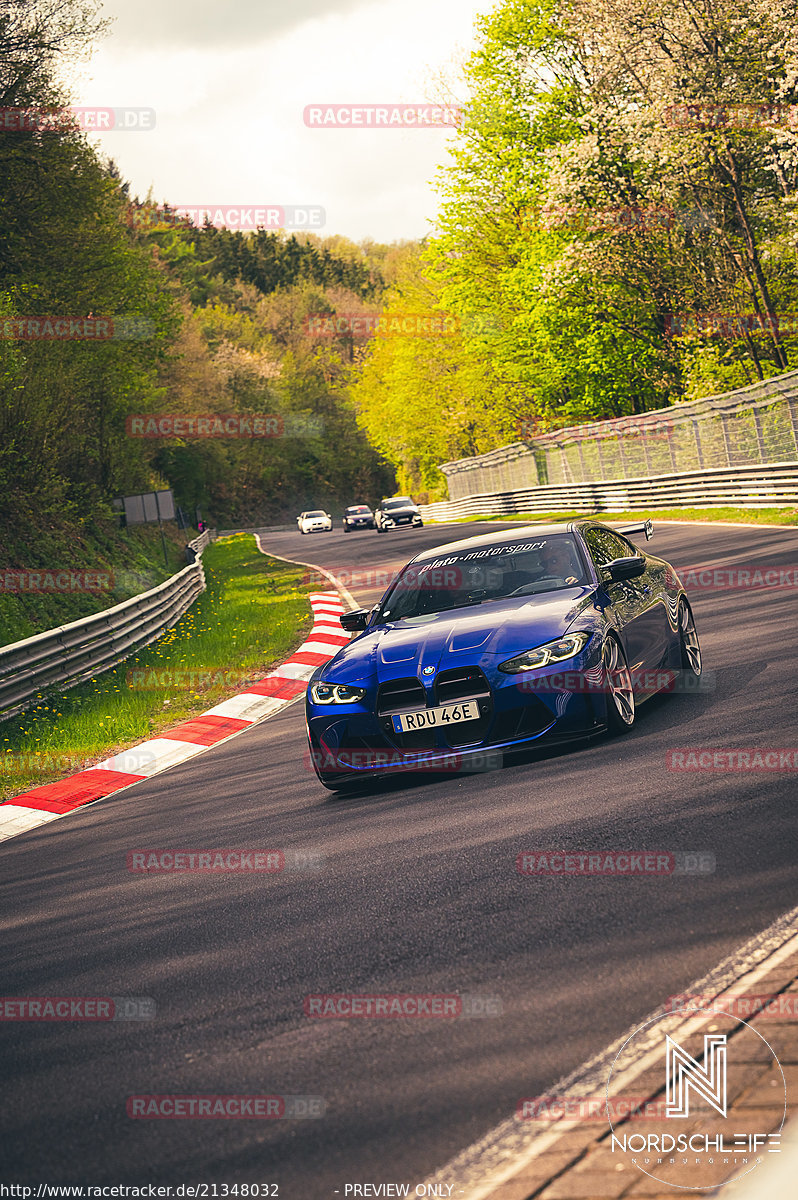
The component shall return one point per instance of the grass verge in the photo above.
(747, 516)
(253, 614)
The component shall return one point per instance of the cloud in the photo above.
(194, 24)
(229, 117)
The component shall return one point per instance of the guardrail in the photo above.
(202, 540)
(70, 654)
(759, 486)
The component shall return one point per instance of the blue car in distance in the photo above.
(496, 642)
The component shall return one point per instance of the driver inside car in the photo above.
(559, 562)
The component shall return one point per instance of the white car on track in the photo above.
(316, 521)
(397, 510)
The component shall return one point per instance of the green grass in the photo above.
(748, 516)
(254, 612)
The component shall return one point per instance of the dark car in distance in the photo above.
(358, 516)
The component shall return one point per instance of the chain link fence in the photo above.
(753, 425)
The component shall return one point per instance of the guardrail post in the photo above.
(699, 451)
(622, 456)
(565, 466)
(724, 424)
(670, 450)
(600, 456)
(793, 421)
(760, 440)
(646, 458)
(581, 459)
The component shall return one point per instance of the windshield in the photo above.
(545, 564)
(402, 502)
(316, 514)
(358, 508)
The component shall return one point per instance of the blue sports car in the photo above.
(490, 644)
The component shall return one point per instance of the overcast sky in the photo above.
(229, 84)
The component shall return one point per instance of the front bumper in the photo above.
(357, 740)
(404, 519)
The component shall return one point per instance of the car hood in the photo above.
(485, 634)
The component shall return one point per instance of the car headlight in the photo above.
(335, 693)
(550, 652)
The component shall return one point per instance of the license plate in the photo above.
(447, 714)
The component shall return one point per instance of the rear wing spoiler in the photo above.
(646, 527)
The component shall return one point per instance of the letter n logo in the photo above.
(683, 1073)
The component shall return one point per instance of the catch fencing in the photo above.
(70, 654)
(771, 486)
(714, 438)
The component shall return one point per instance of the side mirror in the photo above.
(624, 568)
(354, 622)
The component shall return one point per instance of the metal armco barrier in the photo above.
(771, 485)
(62, 657)
(202, 540)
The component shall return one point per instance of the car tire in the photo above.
(689, 646)
(620, 690)
(346, 529)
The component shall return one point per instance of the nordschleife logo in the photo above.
(683, 1073)
(684, 1083)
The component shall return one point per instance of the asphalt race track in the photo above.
(417, 891)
